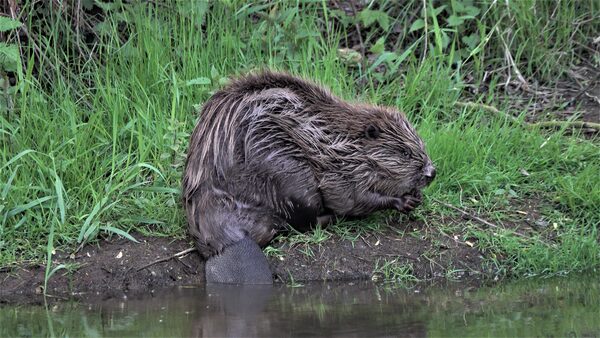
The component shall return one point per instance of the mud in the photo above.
(121, 268)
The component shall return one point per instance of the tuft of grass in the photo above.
(393, 271)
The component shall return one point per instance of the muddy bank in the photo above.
(114, 268)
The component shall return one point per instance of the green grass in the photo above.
(393, 271)
(96, 146)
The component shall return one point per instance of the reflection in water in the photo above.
(551, 307)
(233, 311)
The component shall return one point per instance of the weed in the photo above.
(271, 251)
(393, 271)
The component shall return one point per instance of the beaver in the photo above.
(271, 149)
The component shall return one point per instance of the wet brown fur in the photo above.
(271, 149)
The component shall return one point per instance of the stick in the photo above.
(179, 254)
(486, 107)
(542, 124)
(555, 124)
(476, 218)
(360, 40)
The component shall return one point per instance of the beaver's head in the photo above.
(394, 154)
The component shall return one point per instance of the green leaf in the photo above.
(54, 270)
(418, 24)
(165, 190)
(214, 73)
(24, 207)
(118, 232)
(405, 54)
(472, 11)
(198, 81)
(307, 33)
(454, 20)
(368, 17)
(384, 57)
(437, 31)
(7, 24)
(384, 21)
(471, 40)
(445, 39)
(88, 225)
(21, 222)
(10, 58)
(16, 157)
(437, 11)
(378, 47)
(87, 4)
(150, 167)
(458, 6)
(108, 6)
(195, 10)
(141, 220)
(8, 184)
(58, 186)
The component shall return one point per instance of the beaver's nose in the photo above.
(429, 173)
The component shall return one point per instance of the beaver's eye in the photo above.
(404, 153)
(372, 132)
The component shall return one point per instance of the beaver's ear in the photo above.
(372, 132)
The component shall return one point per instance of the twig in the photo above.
(425, 44)
(14, 14)
(542, 124)
(365, 241)
(360, 40)
(396, 255)
(510, 59)
(558, 124)
(179, 254)
(476, 218)
(55, 296)
(583, 89)
(77, 30)
(486, 107)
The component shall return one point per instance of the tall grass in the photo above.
(101, 148)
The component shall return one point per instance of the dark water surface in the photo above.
(558, 307)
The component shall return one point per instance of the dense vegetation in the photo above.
(99, 98)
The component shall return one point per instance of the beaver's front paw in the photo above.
(407, 203)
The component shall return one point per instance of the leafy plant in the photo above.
(10, 61)
(393, 271)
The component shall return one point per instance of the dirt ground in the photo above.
(117, 267)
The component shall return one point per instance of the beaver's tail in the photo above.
(240, 263)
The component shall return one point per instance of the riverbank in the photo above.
(402, 253)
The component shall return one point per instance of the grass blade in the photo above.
(8, 184)
(59, 197)
(24, 207)
(119, 232)
(17, 157)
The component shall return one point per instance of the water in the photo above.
(559, 307)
